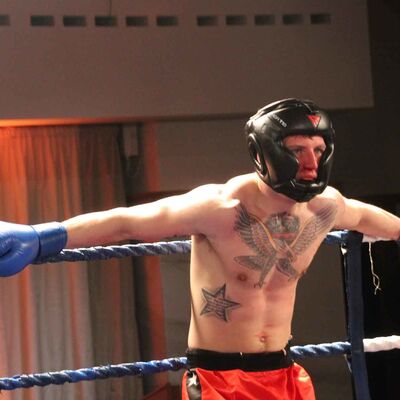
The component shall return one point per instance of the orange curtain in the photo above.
(65, 315)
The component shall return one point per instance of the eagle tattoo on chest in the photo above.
(280, 240)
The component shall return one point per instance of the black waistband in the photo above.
(251, 362)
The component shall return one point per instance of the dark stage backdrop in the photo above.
(382, 317)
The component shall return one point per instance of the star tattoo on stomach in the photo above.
(217, 304)
(280, 240)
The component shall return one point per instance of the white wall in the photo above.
(198, 152)
(121, 71)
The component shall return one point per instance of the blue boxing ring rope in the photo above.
(354, 349)
(174, 364)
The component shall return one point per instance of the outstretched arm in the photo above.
(367, 219)
(181, 215)
(191, 213)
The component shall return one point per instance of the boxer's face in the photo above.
(308, 150)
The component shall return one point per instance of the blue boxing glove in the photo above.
(20, 245)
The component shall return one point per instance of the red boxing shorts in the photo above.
(251, 376)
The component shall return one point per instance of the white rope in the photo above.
(372, 239)
(381, 343)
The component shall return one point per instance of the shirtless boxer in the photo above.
(252, 240)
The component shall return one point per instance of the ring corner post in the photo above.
(355, 314)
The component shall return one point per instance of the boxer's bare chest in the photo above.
(276, 243)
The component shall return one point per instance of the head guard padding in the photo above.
(274, 163)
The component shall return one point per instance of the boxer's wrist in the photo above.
(52, 238)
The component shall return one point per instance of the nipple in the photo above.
(242, 277)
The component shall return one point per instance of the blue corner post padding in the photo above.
(355, 315)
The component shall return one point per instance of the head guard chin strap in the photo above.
(274, 163)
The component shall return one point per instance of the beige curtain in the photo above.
(65, 315)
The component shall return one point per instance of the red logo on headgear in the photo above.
(314, 119)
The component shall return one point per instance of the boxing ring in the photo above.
(354, 349)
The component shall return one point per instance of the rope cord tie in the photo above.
(174, 364)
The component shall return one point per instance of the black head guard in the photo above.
(275, 164)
